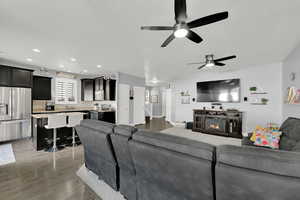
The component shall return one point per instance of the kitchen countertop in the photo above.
(62, 110)
(44, 113)
(39, 116)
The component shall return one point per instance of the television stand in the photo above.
(221, 123)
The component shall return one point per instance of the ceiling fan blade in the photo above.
(208, 20)
(219, 64)
(168, 40)
(201, 66)
(194, 37)
(157, 28)
(195, 63)
(225, 58)
(180, 10)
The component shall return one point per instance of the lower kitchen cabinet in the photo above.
(42, 137)
(106, 116)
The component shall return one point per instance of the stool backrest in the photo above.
(74, 119)
(57, 121)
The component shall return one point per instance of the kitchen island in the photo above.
(42, 137)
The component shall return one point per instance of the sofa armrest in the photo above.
(246, 140)
(285, 163)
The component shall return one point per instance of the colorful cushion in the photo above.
(268, 139)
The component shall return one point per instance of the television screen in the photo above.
(223, 91)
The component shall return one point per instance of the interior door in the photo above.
(139, 105)
(21, 103)
(123, 104)
(168, 104)
(5, 105)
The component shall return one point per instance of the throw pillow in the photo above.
(267, 139)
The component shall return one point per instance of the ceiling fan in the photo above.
(211, 62)
(182, 28)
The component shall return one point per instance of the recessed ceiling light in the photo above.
(99, 66)
(29, 59)
(61, 66)
(85, 71)
(36, 50)
(154, 80)
(73, 59)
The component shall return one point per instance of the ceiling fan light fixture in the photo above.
(210, 64)
(181, 33)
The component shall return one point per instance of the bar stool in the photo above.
(74, 119)
(56, 121)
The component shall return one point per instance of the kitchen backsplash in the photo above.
(40, 105)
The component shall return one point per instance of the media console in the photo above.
(222, 123)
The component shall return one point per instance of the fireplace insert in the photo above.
(223, 123)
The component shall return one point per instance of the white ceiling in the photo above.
(107, 32)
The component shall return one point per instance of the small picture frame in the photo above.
(185, 100)
(154, 99)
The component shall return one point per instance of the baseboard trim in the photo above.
(158, 116)
(104, 191)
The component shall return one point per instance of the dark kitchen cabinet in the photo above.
(41, 89)
(106, 116)
(112, 89)
(87, 89)
(15, 77)
(5, 76)
(21, 78)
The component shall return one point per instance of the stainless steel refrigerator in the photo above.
(15, 113)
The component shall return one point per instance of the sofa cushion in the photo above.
(175, 143)
(120, 140)
(125, 130)
(172, 167)
(297, 147)
(97, 125)
(270, 161)
(290, 133)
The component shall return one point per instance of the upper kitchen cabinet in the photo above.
(87, 89)
(21, 78)
(41, 89)
(110, 92)
(99, 89)
(15, 77)
(5, 76)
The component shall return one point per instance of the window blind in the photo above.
(66, 91)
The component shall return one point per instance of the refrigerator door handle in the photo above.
(6, 105)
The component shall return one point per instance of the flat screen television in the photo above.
(221, 91)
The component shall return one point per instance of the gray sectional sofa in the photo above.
(145, 165)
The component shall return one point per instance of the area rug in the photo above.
(210, 139)
(7, 155)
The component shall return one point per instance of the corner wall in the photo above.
(267, 77)
(131, 81)
(291, 64)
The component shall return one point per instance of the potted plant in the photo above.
(253, 89)
(264, 101)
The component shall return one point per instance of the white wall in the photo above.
(291, 64)
(131, 81)
(266, 77)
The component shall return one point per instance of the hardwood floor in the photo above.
(43, 175)
(50, 176)
(156, 124)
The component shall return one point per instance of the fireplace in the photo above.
(222, 123)
(217, 125)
